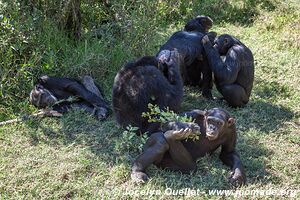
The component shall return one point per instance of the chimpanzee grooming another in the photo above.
(170, 148)
(194, 67)
(148, 80)
(234, 76)
(52, 91)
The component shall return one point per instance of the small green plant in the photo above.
(130, 141)
(155, 114)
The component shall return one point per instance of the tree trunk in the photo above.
(71, 18)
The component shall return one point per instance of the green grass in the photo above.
(78, 157)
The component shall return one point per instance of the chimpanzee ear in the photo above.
(231, 121)
(226, 40)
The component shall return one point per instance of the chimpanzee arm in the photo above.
(225, 72)
(154, 150)
(80, 91)
(231, 158)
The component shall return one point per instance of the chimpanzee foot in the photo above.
(237, 178)
(139, 177)
(101, 113)
(182, 130)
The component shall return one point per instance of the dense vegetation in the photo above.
(77, 156)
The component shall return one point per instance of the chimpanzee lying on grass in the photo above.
(56, 91)
(171, 149)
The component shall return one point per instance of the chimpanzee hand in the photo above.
(181, 130)
(237, 178)
(164, 56)
(168, 57)
(205, 40)
(139, 177)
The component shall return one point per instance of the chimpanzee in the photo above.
(200, 23)
(171, 148)
(55, 92)
(194, 67)
(234, 76)
(142, 82)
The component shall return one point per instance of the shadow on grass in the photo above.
(260, 115)
(264, 116)
(272, 90)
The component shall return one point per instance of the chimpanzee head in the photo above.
(200, 23)
(223, 43)
(217, 121)
(41, 97)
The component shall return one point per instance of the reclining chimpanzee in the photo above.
(171, 148)
(55, 92)
(194, 67)
(234, 76)
(154, 80)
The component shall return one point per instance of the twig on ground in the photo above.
(42, 113)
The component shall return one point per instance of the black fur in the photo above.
(142, 82)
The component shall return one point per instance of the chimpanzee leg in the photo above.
(89, 84)
(234, 94)
(178, 158)
(154, 150)
(99, 112)
(206, 82)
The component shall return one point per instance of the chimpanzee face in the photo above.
(222, 44)
(217, 120)
(41, 97)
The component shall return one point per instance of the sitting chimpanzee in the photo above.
(142, 82)
(171, 148)
(194, 67)
(55, 92)
(234, 76)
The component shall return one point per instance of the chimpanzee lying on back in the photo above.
(234, 77)
(170, 148)
(147, 80)
(194, 66)
(54, 91)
